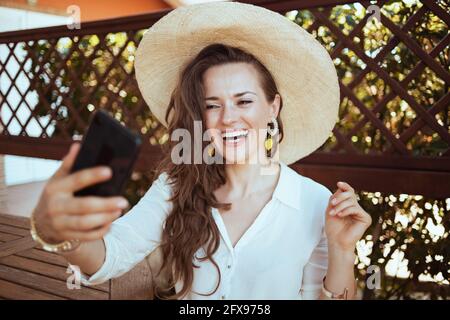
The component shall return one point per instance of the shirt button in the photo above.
(229, 266)
(222, 297)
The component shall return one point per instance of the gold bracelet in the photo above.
(65, 246)
(332, 295)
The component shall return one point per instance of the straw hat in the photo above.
(302, 68)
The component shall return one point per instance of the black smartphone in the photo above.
(107, 142)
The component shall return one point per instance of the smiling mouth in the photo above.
(234, 136)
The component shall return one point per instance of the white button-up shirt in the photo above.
(282, 255)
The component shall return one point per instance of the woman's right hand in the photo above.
(60, 216)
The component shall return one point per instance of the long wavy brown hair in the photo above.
(190, 224)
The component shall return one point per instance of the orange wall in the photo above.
(92, 9)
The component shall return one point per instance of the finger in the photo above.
(357, 214)
(87, 205)
(341, 206)
(345, 186)
(68, 160)
(83, 178)
(87, 236)
(87, 222)
(350, 210)
(334, 195)
(340, 196)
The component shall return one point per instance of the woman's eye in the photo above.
(211, 106)
(245, 101)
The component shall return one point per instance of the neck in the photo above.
(246, 179)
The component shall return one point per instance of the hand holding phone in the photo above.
(107, 143)
(83, 197)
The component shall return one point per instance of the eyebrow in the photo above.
(236, 95)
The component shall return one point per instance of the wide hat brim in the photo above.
(302, 68)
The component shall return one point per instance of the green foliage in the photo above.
(410, 232)
(409, 242)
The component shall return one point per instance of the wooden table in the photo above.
(29, 272)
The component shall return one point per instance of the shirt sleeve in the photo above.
(317, 265)
(134, 235)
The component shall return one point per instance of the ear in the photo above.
(275, 106)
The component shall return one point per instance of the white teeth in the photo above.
(233, 134)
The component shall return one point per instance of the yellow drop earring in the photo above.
(268, 143)
(211, 151)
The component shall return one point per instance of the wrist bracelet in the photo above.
(65, 246)
(332, 295)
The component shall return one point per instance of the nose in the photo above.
(230, 114)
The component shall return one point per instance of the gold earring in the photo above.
(268, 143)
(211, 151)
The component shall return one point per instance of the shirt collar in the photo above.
(288, 187)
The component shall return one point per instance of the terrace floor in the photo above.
(29, 272)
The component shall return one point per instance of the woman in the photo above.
(244, 225)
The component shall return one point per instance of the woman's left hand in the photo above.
(346, 221)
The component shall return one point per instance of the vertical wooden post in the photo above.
(2, 184)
